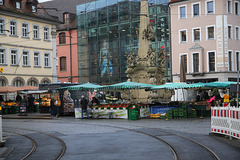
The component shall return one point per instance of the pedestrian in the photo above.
(95, 101)
(52, 107)
(31, 103)
(84, 103)
(18, 98)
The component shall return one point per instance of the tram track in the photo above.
(34, 144)
(171, 147)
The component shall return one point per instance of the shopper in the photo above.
(84, 103)
(95, 101)
(18, 98)
(31, 103)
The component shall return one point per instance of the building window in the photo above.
(63, 63)
(2, 82)
(24, 30)
(35, 32)
(25, 58)
(66, 18)
(229, 32)
(210, 32)
(14, 57)
(18, 83)
(185, 62)
(237, 61)
(32, 83)
(236, 8)
(182, 12)
(46, 60)
(1, 2)
(36, 59)
(229, 6)
(2, 56)
(46, 33)
(62, 38)
(13, 28)
(211, 61)
(230, 61)
(195, 62)
(2, 26)
(183, 36)
(196, 34)
(196, 10)
(210, 7)
(237, 33)
(18, 5)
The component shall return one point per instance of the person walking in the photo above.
(84, 103)
(31, 103)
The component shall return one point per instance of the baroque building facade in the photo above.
(27, 45)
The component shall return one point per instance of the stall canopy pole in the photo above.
(237, 87)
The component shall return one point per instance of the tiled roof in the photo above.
(63, 6)
(175, 1)
(26, 9)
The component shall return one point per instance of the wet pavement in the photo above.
(111, 138)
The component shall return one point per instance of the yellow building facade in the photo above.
(27, 48)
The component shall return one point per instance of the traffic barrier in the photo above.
(226, 120)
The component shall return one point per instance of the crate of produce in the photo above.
(175, 113)
(169, 114)
(133, 114)
(180, 112)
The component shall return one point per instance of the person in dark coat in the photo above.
(18, 98)
(84, 103)
(95, 101)
(31, 103)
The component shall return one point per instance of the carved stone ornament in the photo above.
(149, 33)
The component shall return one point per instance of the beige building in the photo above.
(27, 44)
(206, 33)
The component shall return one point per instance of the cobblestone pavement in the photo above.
(109, 139)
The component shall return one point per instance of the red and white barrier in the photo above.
(226, 120)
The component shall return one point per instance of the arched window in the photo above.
(18, 82)
(32, 82)
(3, 81)
(62, 38)
(45, 80)
(63, 63)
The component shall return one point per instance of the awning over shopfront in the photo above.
(10, 89)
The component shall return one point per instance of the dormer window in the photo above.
(1, 2)
(18, 5)
(66, 18)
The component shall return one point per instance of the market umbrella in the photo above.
(219, 84)
(84, 86)
(170, 86)
(196, 85)
(127, 85)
